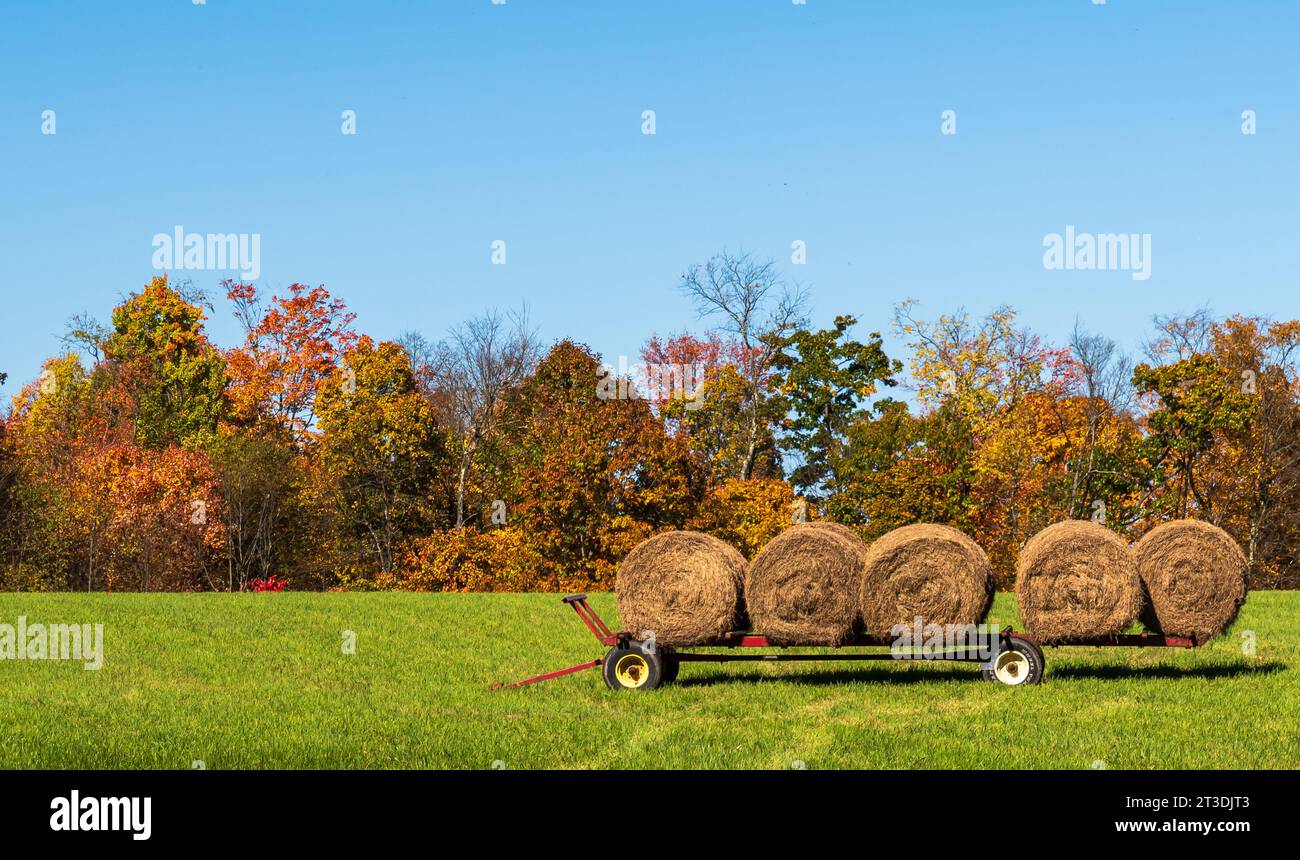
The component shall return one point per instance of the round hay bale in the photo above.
(1194, 575)
(684, 587)
(928, 571)
(853, 538)
(1076, 579)
(802, 588)
(844, 532)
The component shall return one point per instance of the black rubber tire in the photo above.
(671, 667)
(1032, 653)
(635, 662)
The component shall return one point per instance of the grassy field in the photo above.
(262, 681)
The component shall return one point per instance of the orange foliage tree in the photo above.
(748, 514)
(587, 477)
(292, 345)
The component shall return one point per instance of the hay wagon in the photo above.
(1004, 655)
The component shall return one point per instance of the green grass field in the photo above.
(262, 681)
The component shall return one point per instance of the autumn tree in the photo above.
(466, 559)
(588, 477)
(1258, 468)
(166, 532)
(380, 448)
(898, 468)
(291, 346)
(748, 513)
(102, 511)
(259, 485)
(279, 511)
(713, 413)
(56, 431)
(986, 387)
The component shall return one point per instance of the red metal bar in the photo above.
(598, 629)
(589, 617)
(537, 679)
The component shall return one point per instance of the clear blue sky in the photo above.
(775, 122)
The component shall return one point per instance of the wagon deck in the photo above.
(1003, 655)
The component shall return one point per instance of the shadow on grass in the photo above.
(921, 672)
(1112, 673)
(916, 674)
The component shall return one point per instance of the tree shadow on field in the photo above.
(1114, 673)
(919, 674)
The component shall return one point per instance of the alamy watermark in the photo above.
(943, 641)
(240, 252)
(657, 383)
(82, 642)
(1115, 252)
(130, 814)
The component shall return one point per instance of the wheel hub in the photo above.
(632, 670)
(1011, 667)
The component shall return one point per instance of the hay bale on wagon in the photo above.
(843, 531)
(836, 528)
(685, 587)
(1194, 576)
(928, 571)
(1076, 579)
(802, 588)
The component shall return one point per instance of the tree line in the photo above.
(146, 457)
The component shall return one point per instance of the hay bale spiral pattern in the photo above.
(1194, 576)
(1077, 579)
(928, 571)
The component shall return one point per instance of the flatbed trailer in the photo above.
(1003, 655)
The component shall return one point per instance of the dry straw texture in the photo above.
(685, 587)
(802, 588)
(932, 572)
(1077, 579)
(843, 531)
(1195, 578)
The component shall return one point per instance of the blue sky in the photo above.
(775, 122)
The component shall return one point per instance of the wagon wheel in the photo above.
(1020, 662)
(671, 666)
(633, 667)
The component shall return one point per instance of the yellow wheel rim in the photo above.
(632, 671)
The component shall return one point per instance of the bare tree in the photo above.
(474, 368)
(256, 481)
(1179, 336)
(756, 307)
(1105, 384)
(424, 356)
(87, 334)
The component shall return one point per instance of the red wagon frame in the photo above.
(1007, 656)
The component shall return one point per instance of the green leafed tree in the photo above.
(162, 356)
(825, 378)
(1197, 399)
